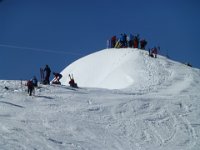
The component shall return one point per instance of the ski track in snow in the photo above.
(163, 114)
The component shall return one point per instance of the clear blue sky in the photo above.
(58, 32)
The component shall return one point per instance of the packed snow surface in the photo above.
(126, 101)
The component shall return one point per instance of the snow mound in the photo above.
(117, 69)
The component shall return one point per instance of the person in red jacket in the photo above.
(113, 41)
(30, 86)
(72, 82)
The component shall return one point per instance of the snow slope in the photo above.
(148, 104)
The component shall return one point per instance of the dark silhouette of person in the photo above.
(113, 41)
(143, 44)
(30, 87)
(72, 82)
(136, 41)
(47, 70)
(57, 77)
(35, 81)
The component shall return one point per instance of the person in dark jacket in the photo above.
(30, 87)
(35, 81)
(130, 40)
(155, 52)
(57, 77)
(72, 82)
(143, 44)
(113, 41)
(47, 75)
(136, 41)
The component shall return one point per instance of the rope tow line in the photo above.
(38, 49)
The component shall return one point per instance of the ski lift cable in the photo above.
(39, 49)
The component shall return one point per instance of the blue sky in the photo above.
(38, 32)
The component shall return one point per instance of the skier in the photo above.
(47, 75)
(130, 40)
(30, 87)
(155, 52)
(72, 82)
(143, 43)
(57, 77)
(150, 53)
(122, 40)
(136, 41)
(113, 41)
(35, 81)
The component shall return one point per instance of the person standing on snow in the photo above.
(35, 81)
(30, 87)
(143, 44)
(113, 41)
(47, 75)
(155, 52)
(136, 41)
(130, 40)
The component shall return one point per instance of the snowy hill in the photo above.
(124, 68)
(146, 104)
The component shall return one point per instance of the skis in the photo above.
(118, 44)
(70, 76)
(42, 75)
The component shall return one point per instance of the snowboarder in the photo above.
(57, 77)
(30, 87)
(47, 75)
(72, 82)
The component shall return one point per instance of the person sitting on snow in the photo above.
(57, 77)
(72, 82)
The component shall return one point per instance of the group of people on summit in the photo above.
(124, 41)
(130, 41)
